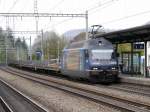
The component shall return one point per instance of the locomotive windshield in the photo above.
(101, 56)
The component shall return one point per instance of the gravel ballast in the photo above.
(52, 99)
(103, 90)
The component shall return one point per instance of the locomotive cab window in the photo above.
(102, 57)
(102, 54)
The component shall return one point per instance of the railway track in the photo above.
(12, 100)
(136, 89)
(118, 103)
(126, 87)
(4, 106)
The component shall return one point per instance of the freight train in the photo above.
(94, 59)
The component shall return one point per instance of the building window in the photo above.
(148, 60)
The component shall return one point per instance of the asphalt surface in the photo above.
(16, 102)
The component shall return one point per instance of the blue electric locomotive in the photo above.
(92, 59)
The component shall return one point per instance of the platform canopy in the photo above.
(135, 34)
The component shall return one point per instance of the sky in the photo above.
(111, 14)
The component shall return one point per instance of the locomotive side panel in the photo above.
(73, 63)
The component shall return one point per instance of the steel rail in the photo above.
(128, 89)
(5, 105)
(115, 102)
(35, 106)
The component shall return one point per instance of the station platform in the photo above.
(134, 80)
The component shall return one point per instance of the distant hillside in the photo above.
(82, 36)
(69, 35)
(148, 22)
(79, 34)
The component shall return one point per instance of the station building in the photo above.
(148, 54)
(135, 61)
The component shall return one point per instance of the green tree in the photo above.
(21, 49)
(52, 42)
(2, 46)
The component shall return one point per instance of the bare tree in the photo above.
(52, 44)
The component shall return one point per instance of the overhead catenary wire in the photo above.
(53, 8)
(100, 5)
(100, 8)
(96, 5)
(103, 5)
(24, 6)
(57, 4)
(59, 23)
(126, 17)
(108, 3)
(13, 5)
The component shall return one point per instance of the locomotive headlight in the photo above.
(95, 68)
(113, 68)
